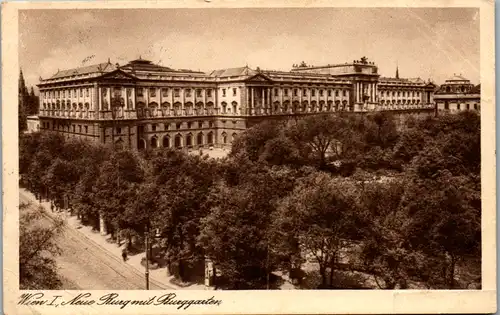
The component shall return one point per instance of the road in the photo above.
(86, 265)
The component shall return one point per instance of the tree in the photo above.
(184, 182)
(320, 216)
(235, 233)
(37, 248)
(317, 135)
(252, 142)
(116, 187)
(446, 224)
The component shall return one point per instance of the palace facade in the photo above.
(458, 94)
(143, 105)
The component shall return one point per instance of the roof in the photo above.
(101, 67)
(457, 78)
(233, 72)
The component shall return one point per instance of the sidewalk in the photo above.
(158, 275)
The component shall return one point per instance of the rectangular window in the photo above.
(295, 92)
(152, 92)
(345, 92)
(286, 92)
(189, 125)
(223, 92)
(153, 127)
(164, 92)
(129, 92)
(86, 129)
(320, 92)
(118, 130)
(75, 93)
(329, 92)
(73, 126)
(177, 92)
(187, 92)
(276, 92)
(313, 92)
(80, 128)
(234, 91)
(81, 92)
(209, 93)
(304, 92)
(200, 124)
(87, 92)
(198, 93)
(140, 92)
(178, 125)
(167, 126)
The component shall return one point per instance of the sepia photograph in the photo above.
(251, 148)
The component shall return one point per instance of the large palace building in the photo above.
(143, 105)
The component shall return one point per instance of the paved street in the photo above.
(86, 265)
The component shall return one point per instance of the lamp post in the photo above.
(146, 236)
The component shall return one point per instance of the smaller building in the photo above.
(33, 124)
(458, 94)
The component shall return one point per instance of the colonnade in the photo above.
(365, 88)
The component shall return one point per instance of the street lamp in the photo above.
(146, 234)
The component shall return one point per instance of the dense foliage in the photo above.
(404, 203)
(37, 248)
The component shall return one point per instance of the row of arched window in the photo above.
(200, 108)
(188, 141)
(400, 93)
(399, 102)
(297, 107)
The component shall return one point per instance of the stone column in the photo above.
(300, 99)
(281, 91)
(183, 98)
(270, 102)
(263, 97)
(100, 99)
(102, 225)
(94, 102)
(204, 91)
(309, 100)
(134, 101)
(108, 97)
(252, 101)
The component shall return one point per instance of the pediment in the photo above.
(258, 78)
(118, 75)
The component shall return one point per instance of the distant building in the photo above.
(458, 94)
(143, 105)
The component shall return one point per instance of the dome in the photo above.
(457, 79)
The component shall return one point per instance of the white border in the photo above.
(262, 302)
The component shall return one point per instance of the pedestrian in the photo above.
(124, 254)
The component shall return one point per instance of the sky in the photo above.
(430, 43)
